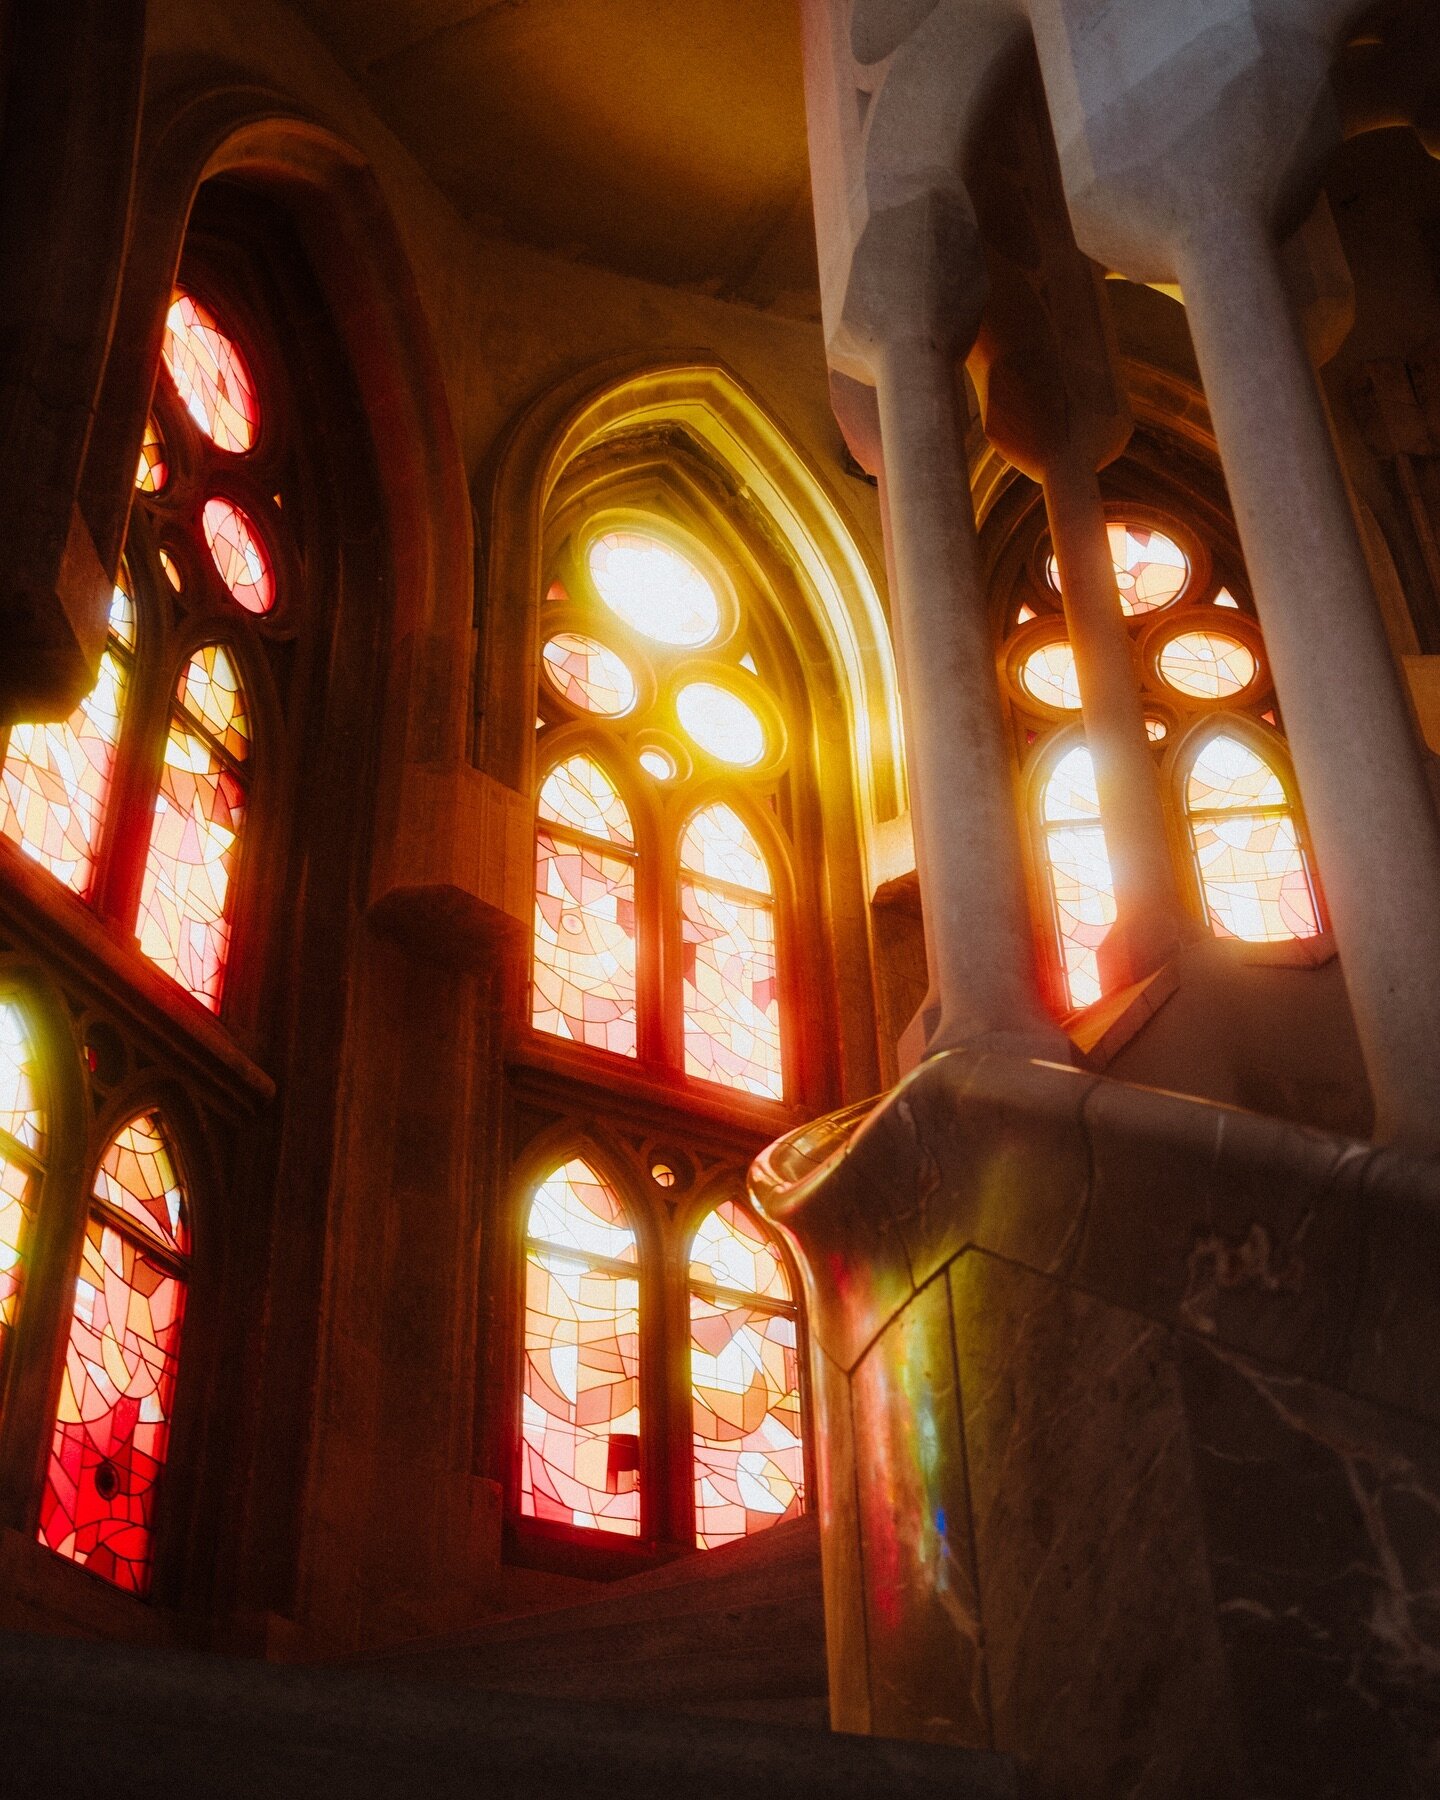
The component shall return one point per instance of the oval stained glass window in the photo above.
(654, 589)
(1207, 665)
(210, 374)
(1151, 570)
(240, 554)
(1048, 675)
(720, 722)
(589, 676)
(658, 763)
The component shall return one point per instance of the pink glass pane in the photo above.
(719, 846)
(588, 675)
(137, 1177)
(1252, 869)
(731, 1001)
(153, 471)
(113, 1424)
(584, 965)
(580, 1408)
(56, 778)
(579, 793)
(22, 1141)
(745, 1389)
(240, 554)
(210, 375)
(1081, 885)
(732, 1251)
(194, 842)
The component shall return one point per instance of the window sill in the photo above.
(40, 1591)
(583, 1552)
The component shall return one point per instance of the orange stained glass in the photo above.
(654, 589)
(1082, 888)
(56, 779)
(22, 1146)
(730, 993)
(183, 923)
(112, 1426)
(587, 674)
(1207, 665)
(240, 554)
(172, 572)
(1253, 871)
(1048, 675)
(745, 1382)
(580, 1401)
(153, 471)
(583, 975)
(1156, 729)
(720, 722)
(1151, 569)
(210, 374)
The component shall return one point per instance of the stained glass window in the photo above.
(57, 777)
(745, 1381)
(589, 676)
(580, 1406)
(154, 471)
(1081, 886)
(730, 993)
(240, 554)
(1048, 675)
(112, 1427)
(1252, 868)
(584, 954)
(184, 923)
(1207, 665)
(210, 375)
(1151, 569)
(720, 722)
(22, 1146)
(654, 589)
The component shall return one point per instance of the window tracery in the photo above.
(22, 1153)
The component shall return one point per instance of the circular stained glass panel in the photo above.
(654, 589)
(588, 675)
(1150, 569)
(210, 374)
(240, 554)
(721, 722)
(658, 763)
(1207, 665)
(1048, 675)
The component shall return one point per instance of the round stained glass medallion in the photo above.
(1048, 675)
(589, 676)
(658, 763)
(654, 589)
(1207, 665)
(240, 554)
(210, 374)
(1151, 570)
(1156, 729)
(719, 721)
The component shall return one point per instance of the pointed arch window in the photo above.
(727, 925)
(1252, 868)
(585, 936)
(1077, 862)
(744, 1381)
(112, 1426)
(580, 1401)
(22, 1153)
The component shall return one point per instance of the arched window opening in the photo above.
(1253, 873)
(1082, 890)
(731, 1001)
(22, 1152)
(184, 918)
(744, 1381)
(57, 778)
(580, 1403)
(112, 1427)
(585, 931)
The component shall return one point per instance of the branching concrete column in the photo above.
(1192, 168)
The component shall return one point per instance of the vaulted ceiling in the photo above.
(660, 138)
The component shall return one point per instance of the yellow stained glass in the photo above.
(587, 674)
(721, 723)
(1207, 665)
(579, 793)
(1252, 868)
(1081, 885)
(719, 845)
(154, 471)
(1048, 675)
(729, 984)
(654, 589)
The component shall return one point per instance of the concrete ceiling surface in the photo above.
(661, 138)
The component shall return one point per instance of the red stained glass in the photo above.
(1252, 869)
(730, 991)
(56, 779)
(183, 923)
(153, 471)
(22, 1145)
(580, 1409)
(1081, 885)
(210, 375)
(112, 1426)
(745, 1381)
(240, 554)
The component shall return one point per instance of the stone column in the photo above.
(1376, 835)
